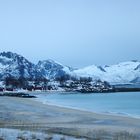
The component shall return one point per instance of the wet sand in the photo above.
(33, 115)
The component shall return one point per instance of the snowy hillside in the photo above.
(122, 73)
(51, 69)
(12, 64)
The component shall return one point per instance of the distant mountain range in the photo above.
(122, 73)
(12, 64)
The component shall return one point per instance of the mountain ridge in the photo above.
(124, 72)
(15, 65)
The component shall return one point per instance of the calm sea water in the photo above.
(113, 103)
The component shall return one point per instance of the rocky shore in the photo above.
(17, 94)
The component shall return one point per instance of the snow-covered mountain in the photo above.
(15, 65)
(12, 64)
(122, 73)
(51, 69)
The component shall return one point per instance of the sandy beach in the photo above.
(28, 114)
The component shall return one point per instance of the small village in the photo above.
(83, 85)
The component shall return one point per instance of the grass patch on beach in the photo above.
(125, 136)
(78, 133)
(100, 134)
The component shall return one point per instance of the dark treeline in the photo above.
(67, 77)
(65, 82)
(22, 82)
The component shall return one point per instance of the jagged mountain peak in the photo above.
(52, 69)
(13, 57)
(53, 63)
(15, 65)
(49, 63)
(8, 54)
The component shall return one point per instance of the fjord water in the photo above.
(112, 103)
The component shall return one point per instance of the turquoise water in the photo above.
(113, 103)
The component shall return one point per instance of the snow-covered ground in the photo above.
(14, 134)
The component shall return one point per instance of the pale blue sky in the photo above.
(74, 32)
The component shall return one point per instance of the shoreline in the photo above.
(108, 112)
(36, 98)
(119, 114)
(23, 113)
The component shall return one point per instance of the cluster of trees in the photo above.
(64, 78)
(22, 82)
(15, 83)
